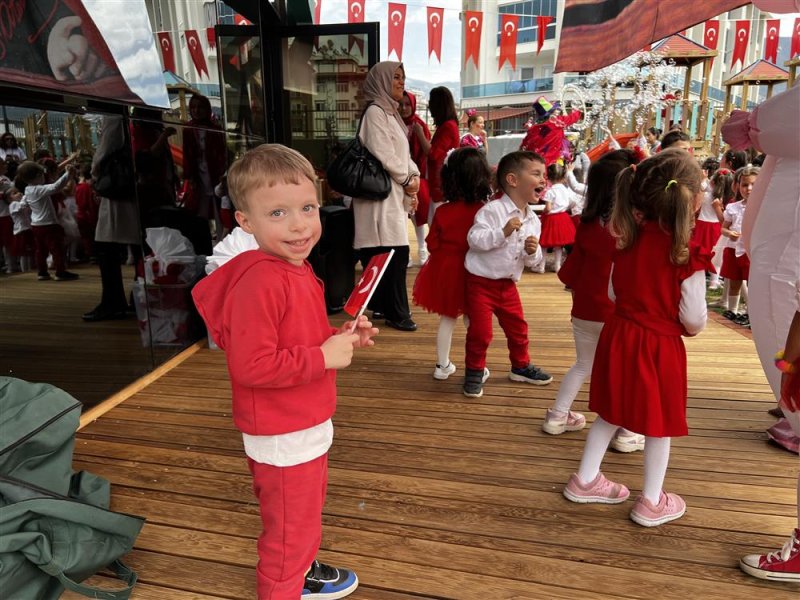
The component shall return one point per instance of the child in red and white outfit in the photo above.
(503, 240)
(23, 246)
(735, 262)
(266, 309)
(587, 272)
(639, 376)
(720, 192)
(47, 233)
(88, 207)
(6, 223)
(558, 229)
(440, 286)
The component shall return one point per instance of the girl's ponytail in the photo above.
(623, 224)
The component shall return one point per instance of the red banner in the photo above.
(771, 43)
(541, 24)
(355, 11)
(795, 39)
(240, 20)
(711, 35)
(365, 287)
(742, 36)
(397, 25)
(167, 50)
(473, 21)
(508, 40)
(196, 51)
(435, 26)
(211, 37)
(355, 40)
(317, 11)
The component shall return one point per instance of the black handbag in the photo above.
(116, 179)
(357, 173)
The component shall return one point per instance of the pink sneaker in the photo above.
(669, 508)
(600, 491)
(781, 565)
(556, 424)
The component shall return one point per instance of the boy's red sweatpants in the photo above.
(290, 500)
(49, 240)
(487, 297)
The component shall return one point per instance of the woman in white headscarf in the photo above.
(381, 226)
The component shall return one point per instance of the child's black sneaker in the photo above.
(729, 314)
(66, 276)
(530, 374)
(473, 382)
(44, 276)
(742, 319)
(328, 583)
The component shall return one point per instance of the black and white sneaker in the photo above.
(530, 374)
(473, 382)
(328, 583)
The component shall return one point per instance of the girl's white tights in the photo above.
(557, 252)
(586, 334)
(597, 442)
(444, 339)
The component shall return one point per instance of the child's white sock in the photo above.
(596, 445)
(733, 303)
(713, 280)
(444, 338)
(557, 251)
(656, 459)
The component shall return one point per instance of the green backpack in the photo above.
(55, 526)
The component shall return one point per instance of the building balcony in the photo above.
(504, 88)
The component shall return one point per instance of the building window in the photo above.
(342, 105)
(527, 73)
(342, 87)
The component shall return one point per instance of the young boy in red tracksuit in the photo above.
(266, 309)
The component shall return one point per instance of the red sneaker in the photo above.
(781, 565)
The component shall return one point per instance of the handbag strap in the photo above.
(361, 120)
(124, 573)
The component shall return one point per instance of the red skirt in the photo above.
(24, 244)
(441, 283)
(557, 230)
(639, 379)
(706, 234)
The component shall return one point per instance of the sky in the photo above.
(415, 47)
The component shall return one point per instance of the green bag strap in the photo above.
(124, 573)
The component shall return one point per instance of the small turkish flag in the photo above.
(196, 51)
(542, 23)
(211, 36)
(473, 20)
(435, 26)
(317, 11)
(711, 34)
(740, 42)
(508, 40)
(240, 20)
(355, 11)
(771, 43)
(795, 39)
(397, 25)
(362, 293)
(167, 50)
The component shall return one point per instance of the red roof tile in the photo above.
(679, 45)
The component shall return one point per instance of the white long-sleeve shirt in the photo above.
(561, 199)
(493, 255)
(37, 197)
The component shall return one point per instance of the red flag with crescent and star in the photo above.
(365, 287)
(508, 40)
(742, 35)
(397, 25)
(711, 34)
(435, 26)
(317, 11)
(541, 24)
(355, 11)
(473, 22)
(795, 39)
(167, 50)
(241, 20)
(196, 51)
(771, 43)
(211, 36)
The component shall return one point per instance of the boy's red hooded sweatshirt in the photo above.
(269, 316)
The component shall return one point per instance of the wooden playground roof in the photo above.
(683, 51)
(759, 71)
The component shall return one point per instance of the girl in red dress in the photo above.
(558, 229)
(639, 373)
(445, 138)
(440, 284)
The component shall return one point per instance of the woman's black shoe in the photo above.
(103, 314)
(376, 315)
(404, 325)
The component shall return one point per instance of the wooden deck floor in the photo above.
(433, 495)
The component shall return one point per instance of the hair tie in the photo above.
(471, 112)
(447, 156)
(670, 183)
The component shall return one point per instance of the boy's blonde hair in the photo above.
(660, 189)
(267, 165)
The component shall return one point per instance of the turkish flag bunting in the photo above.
(211, 36)
(472, 36)
(508, 40)
(355, 40)
(240, 20)
(771, 43)
(397, 25)
(196, 51)
(355, 11)
(435, 26)
(711, 34)
(167, 50)
(541, 24)
(317, 11)
(795, 39)
(740, 42)
(365, 287)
